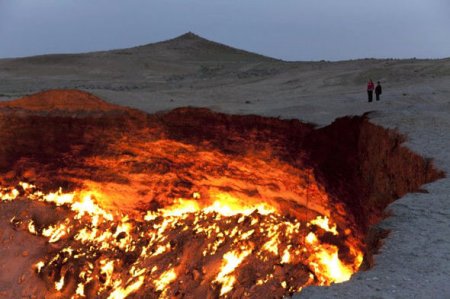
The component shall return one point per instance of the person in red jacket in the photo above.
(370, 88)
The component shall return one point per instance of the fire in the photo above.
(8, 195)
(39, 266)
(165, 279)
(181, 207)
(324, 223)
(227, 205)
(326, 262)
(222, 203)
(59, 284)
(286, 256)
(231, 262)
(120, 292)
(117, 255)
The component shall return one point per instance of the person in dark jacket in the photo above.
(378, 91)
(370, 87)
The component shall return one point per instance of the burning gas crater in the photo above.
(193, 203)
(226, 248)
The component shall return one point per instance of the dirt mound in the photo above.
(61, 99)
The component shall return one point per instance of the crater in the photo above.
(193, 202)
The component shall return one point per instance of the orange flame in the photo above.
(99, 230)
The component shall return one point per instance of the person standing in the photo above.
(378, 91)
(370, 88)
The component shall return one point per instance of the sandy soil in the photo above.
(189, 71)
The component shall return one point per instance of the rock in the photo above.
(196, 274)
(21, 279)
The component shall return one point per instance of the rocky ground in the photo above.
(414, 260)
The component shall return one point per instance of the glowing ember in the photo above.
(184, 248)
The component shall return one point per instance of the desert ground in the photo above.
(414, 261)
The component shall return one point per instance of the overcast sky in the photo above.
(286, 29)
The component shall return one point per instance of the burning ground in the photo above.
(188, 203)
